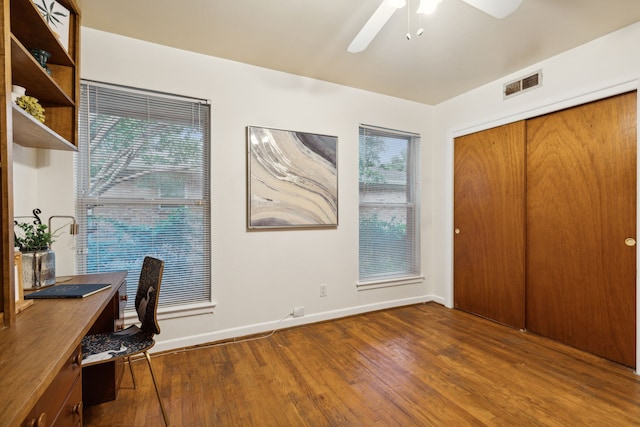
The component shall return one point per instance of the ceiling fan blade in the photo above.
(374, 24)
(496, 8)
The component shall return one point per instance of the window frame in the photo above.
(411, 205)
(166, 201)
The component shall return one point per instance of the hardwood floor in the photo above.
(419, 365)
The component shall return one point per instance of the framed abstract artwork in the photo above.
(292, 179)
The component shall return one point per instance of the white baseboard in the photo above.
(194, 340)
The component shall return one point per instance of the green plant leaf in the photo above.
(33, 237)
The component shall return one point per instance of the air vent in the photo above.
(523, 84)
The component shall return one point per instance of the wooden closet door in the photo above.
(489, 202)
(581, 206)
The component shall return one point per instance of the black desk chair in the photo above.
(101, 348)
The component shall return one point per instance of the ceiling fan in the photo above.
(496, 8)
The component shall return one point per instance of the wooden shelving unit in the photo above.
(29, 132)
(23, 28)
(58, 93)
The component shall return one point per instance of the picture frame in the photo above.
(57, 18)
(292, 179)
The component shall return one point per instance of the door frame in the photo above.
(523, 113)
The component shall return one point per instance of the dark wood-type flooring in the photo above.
(419, 365)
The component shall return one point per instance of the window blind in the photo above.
(389, 244)
(142, 188)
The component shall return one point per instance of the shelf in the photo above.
(28, 73)
(29, 132)
(34, 32)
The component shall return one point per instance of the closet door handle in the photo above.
(630, 241)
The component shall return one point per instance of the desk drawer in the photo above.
(71, 411)
(63, 398)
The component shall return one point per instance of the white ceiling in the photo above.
(461, 48)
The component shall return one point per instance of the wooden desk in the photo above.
(42, 343)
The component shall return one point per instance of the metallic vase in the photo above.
(38, 269)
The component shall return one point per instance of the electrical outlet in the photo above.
(323, 290)
(298, 311)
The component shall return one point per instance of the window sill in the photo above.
(387, 283)
(174, 312)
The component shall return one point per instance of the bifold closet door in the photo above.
(489, 203)
(581, 227)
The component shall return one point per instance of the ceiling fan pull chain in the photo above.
(408, 19)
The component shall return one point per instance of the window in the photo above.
(389, 208)
(142, 188)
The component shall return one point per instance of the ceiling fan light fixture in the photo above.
(496, 8)
(428, 6)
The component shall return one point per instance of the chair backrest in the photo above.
(148, 294)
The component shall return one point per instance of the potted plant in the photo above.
(38, 260)
(34, 237)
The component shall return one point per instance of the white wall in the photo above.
(258, 277)
(25, 183)
(44, 179)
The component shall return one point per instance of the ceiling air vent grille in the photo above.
(523, 84)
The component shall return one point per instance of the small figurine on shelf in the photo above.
(42, 56)
(31, 106)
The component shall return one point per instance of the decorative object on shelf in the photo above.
(38, 260)
(293, 179)
(31, 106)
(57, 17)
(42, 56)
(17, 92)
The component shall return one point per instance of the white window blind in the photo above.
(389, 206)
(142, 188)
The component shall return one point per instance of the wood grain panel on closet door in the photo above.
(581, 206)
(489, 202)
